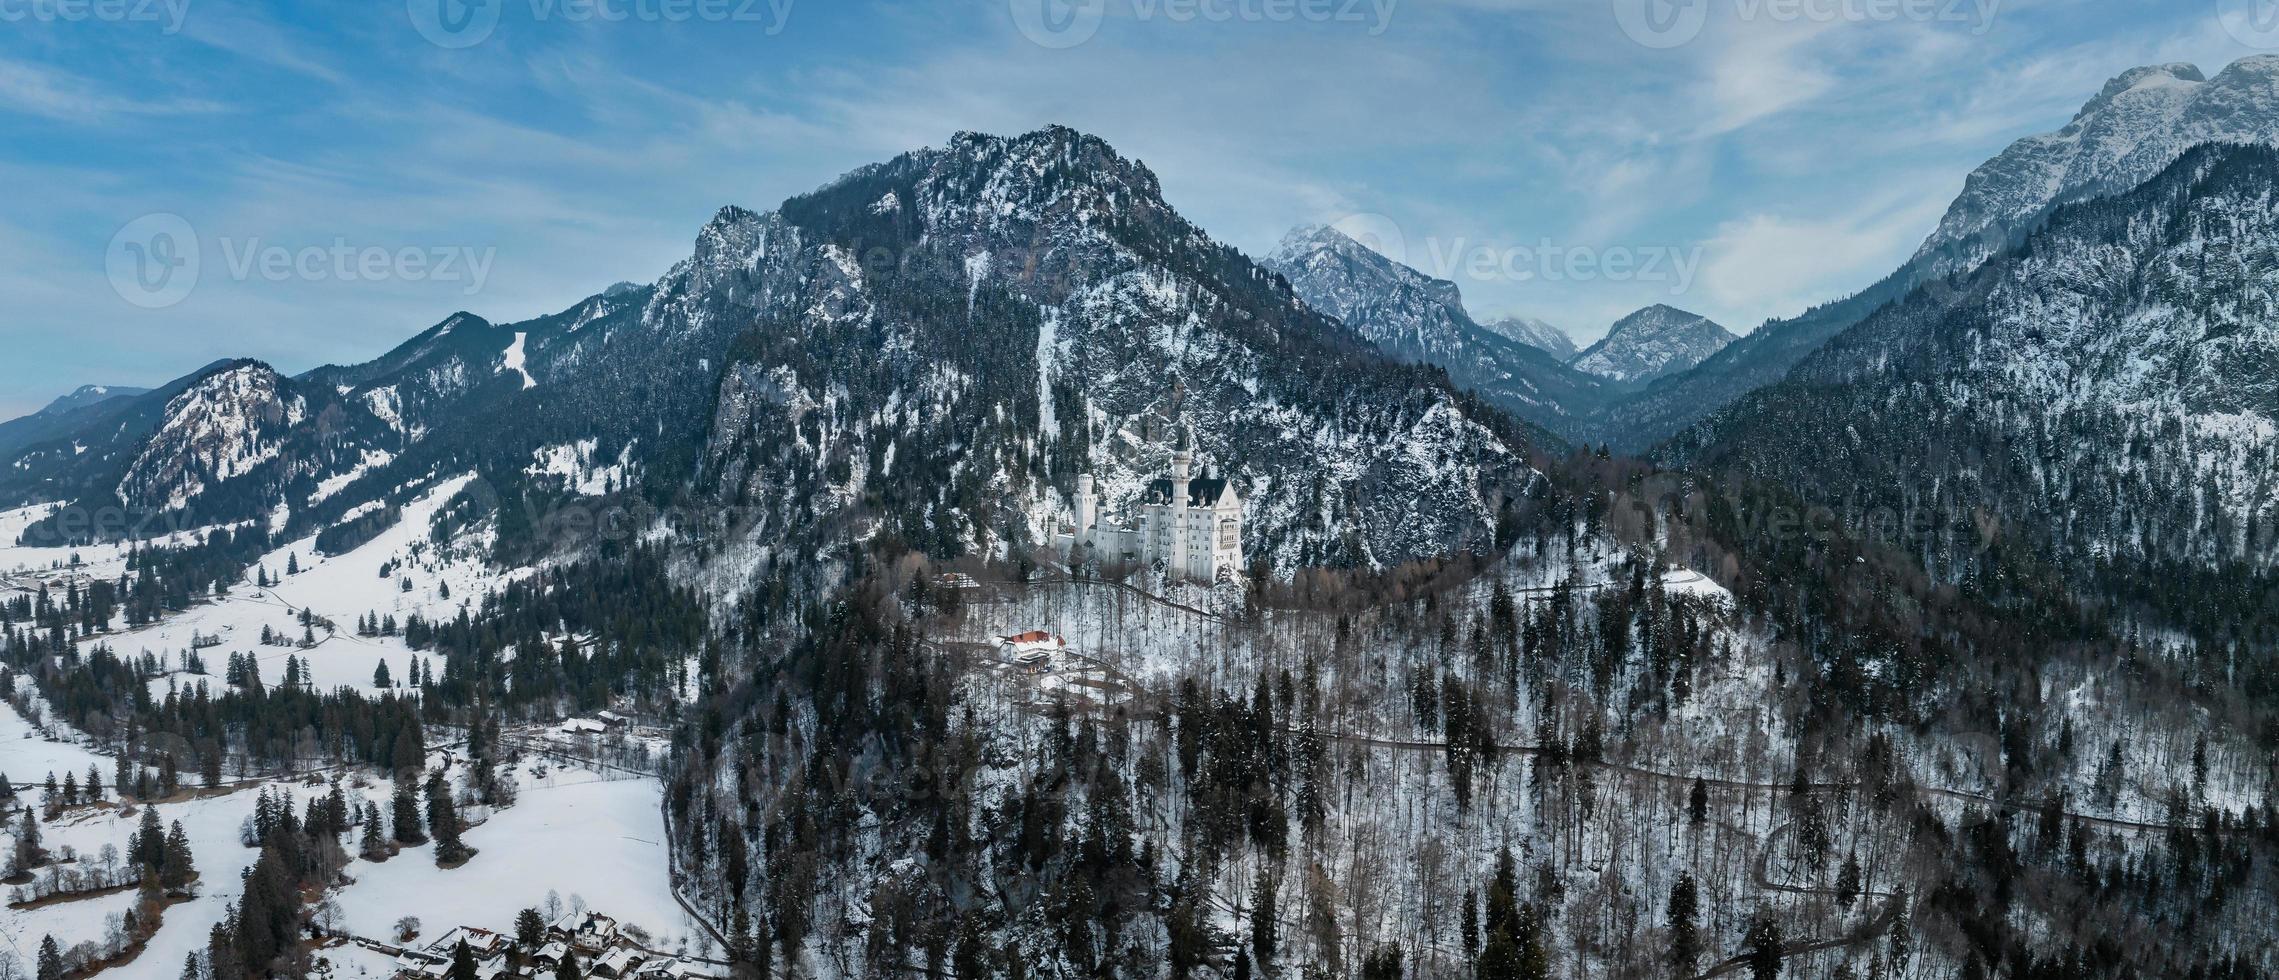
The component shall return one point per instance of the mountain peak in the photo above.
(86, 395)
(2135, 126)
(1307, 239)
(2173, 73)
(1536, 333)
(1356, 283)
(1658, 340)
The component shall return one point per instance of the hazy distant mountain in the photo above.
(1415, 317)
(1656, 341)
(87, 395)
(2137, 124)
(1538, 334)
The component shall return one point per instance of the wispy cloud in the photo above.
(1803, 159)
(59, 95)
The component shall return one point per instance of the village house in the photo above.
(1030, 649)
(601, 949)
(589, 933)
(433, 962)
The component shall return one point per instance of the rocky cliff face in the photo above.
(1653, 342)
(1539, 334)
(1414, 317)
(941, 343)
(2136, 125)
(2104, 392)
(2139, 123)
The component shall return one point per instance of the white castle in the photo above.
(1193, 527)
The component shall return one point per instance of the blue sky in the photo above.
(345, 180)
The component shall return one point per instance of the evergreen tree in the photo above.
(462, 963)
(529, 928)
(147, 845)
(178, 869)
(1262, 918)
(443, 821)
(1685, 938)
(51, 960)
(28, 854)
(371, 846)
(406, 815)
(1761, 947)
(1848, 882)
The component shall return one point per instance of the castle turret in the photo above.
(1181, 463)
(1085, 507)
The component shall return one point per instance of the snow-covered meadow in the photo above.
(588, 837)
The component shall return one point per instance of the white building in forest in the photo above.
(1190, 526)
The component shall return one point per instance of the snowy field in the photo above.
(26, 753)
(591, 839)
(340, 589)
(212, 825)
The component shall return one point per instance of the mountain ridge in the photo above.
(2120, 358)
(2141, 128)
(1414, 317)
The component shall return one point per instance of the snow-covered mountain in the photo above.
(1414, 317)
(2137, 124)
(229, 443)
(226, 425)
(2140, 122)
(1407, 313)
(933, 348)
(1656, 341)
(1041, 312)
(86, 395)
(2108, 391)
(1536, 333)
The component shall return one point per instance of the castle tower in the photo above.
(1086, 507)
(1182, 463)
